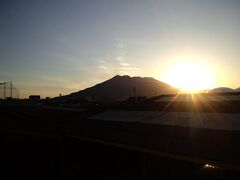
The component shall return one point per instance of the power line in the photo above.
(8, 90)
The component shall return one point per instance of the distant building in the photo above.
(35, 97)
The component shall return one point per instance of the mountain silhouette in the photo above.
(237, 89)
(224, 90)
(123, 87)
(221, 90)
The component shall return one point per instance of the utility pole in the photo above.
(135, 93)
(4, 90)
(11, 89)
(18, 94)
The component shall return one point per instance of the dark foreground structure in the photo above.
(155, 139)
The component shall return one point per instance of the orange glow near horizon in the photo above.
(190, 76)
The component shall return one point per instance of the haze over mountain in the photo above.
(224, 90)
(122, 87)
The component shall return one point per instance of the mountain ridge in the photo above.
(224, 90)
(123, 87)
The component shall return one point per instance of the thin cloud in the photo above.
(102, 67)
(124, 64)
(120, 58)
(129, 68)
(121, 44)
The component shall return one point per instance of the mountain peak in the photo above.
(133, 77)
(123, 87)
(119, 76)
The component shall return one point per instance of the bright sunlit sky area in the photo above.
(50, 47)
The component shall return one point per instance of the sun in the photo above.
(190, 76)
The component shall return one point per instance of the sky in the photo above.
(52, 47)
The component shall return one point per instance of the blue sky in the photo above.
(50, 47)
